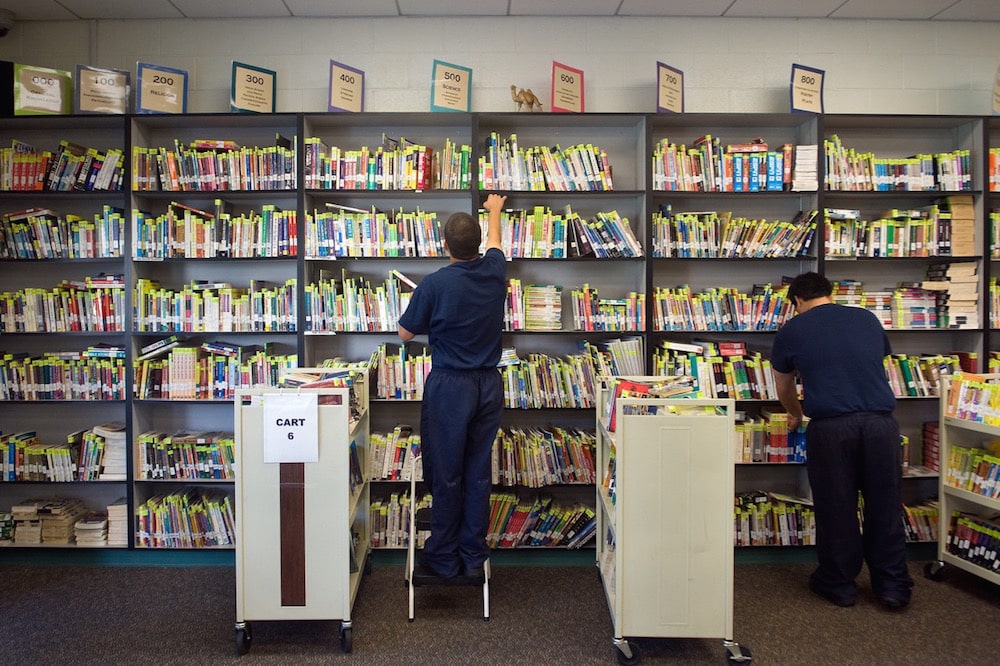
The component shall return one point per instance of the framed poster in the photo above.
(161, 89)
(451, 87)
(253, 89)
(347, 88)
(567, 89)
(100, 90)
(806, 89)
(669, 89)
(42, 91)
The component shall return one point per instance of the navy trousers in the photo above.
(459, 420)
(847, 455)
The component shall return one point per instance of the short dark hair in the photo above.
(463, 235)
(808, 286)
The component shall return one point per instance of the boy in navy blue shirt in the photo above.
(461, 308)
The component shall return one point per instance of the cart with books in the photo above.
(302, 503)
(665, 513)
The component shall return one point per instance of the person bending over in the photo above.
(852, 441)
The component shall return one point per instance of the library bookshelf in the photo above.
(968, 489)
(255, 192)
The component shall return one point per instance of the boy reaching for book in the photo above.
(460, 308)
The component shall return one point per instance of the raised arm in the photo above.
(494, 206)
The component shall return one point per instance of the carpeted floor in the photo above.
(539, 615)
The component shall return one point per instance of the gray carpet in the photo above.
(540, 615)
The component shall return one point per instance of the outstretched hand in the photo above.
(495, 202)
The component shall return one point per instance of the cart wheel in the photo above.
(630, 661)
(243, 640)
(742, 657)
(346, 639)
(934, 570)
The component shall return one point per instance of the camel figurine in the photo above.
(525, 96)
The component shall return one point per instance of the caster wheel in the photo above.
(368, 566)
(630, 661)
(243, 640)
(346, 639)
(934, 570)
(744, 656)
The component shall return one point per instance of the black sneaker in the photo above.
(831, 597)
(476, 574)
(893, 603)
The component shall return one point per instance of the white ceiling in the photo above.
(61, 10)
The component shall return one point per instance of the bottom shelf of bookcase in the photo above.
(971, 567)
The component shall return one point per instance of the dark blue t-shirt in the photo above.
(460, 308)
(838, 351)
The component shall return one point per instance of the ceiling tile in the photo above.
(37, 10)
(891, 9)
(782, 8)
(121, 9)
(564, 7)
(673, 8)
(338, 8)
(231, 8)
(972, 10)
(452, 8)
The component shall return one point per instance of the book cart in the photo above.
(665, 514)
(302, 528)
(969, 492)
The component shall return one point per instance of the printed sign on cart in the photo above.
(291, 432)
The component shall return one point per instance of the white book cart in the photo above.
(302, 528)
(665, 518)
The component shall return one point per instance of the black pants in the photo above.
(459, 420)
(847, 455)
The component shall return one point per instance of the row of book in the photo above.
(533, 307)
(211, 166)
(975, 539)
(185, 455)
(191, 518)
(355, 304)
(714, 234)
(394, 165)
(538, 521)
(70, 167)
(506, 166)
(719, 369)
(214, 307)
(186, 232)
(708, 167)
(93, 304)
(351, 232)
(94, 454)
(855, 170)
(211, 371)
(539, 233)
(929, 231)
(768, 440)
(765, 308)
(521, 457)
(42, 233)
(772, 519)
(61, 376)
(539, 381)
(60, 521)
(975, 470)
(775, 519)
